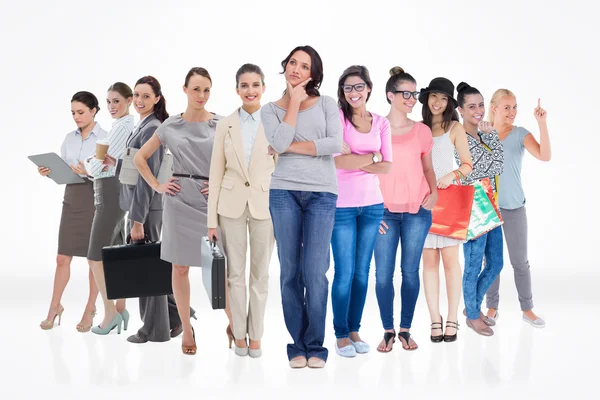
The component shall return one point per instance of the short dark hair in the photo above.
(88, 99)
(354, 70)
(197, 71)
(160, 108)
(122, 88)
(316, 69)
(397, 75)
(464, 89)
(249, 68)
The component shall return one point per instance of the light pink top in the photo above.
(405, 186)
(357, 188)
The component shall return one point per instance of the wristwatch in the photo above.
(375, 159)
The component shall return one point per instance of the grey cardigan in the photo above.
(140, 199)
(321, 124)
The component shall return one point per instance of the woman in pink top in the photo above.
(366, 152)
(409, 194)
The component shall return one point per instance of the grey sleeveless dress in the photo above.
(185, 214)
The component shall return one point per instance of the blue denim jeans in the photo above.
(303, 223)
(476, 281)
(352, 242)
(410, 230)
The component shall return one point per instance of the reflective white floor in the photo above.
(519, 361)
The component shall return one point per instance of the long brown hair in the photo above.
(354, 70)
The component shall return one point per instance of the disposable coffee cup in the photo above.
(101, 149)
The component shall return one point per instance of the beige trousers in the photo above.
(234, 232)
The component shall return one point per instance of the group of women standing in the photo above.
(310, 174)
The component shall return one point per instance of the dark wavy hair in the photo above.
(316, 69)
(160, 108)
(354, 70)
(87, 98)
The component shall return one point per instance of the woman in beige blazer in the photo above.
(240, 175)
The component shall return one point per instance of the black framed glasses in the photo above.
(359, 87)
(407, 93)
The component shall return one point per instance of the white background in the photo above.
(536, 49)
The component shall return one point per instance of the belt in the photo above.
(191, 176)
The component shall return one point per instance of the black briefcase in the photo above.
(213, 273)
(136, 270)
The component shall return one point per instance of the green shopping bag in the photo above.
(485, 215)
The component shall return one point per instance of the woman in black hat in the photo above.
(439, 114)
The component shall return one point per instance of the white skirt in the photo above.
(438, 242)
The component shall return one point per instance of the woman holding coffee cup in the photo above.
(108, 226)
(78, 207)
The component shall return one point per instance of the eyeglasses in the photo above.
(407, 93)
(359, 87)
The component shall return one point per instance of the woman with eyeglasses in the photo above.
(366, 152)
(409, 193)
(439, 114)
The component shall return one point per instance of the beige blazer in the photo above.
(231, 184)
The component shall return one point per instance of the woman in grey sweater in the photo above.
(305, 129)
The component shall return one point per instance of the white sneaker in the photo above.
(361, 347)
(346, 351)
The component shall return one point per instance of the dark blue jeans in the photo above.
(410, 230)
(476, 281)
(352, 242)
(303, 222)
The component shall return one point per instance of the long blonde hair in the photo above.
(496, 97)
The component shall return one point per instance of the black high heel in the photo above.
(438, 338)
(451, 338)
(387, 336)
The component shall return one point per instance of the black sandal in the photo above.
(387, 336)
(406, 336)
(451, 338)
(438, 338)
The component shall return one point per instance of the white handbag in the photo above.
(129, 174)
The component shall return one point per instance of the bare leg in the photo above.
(61, 278)
(453, 275)
(90, 308)
(110, 311)
(181, 291)
(120, 305)
(431, 283)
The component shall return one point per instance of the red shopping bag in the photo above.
(452, 212)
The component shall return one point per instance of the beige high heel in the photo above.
(49, 324)
(229, 335)
(86, 328)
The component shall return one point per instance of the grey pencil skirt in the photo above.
(108, 228)
(76, 219)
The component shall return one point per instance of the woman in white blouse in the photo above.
(108, 227)
(78, 208)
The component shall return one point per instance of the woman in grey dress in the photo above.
(189, 137)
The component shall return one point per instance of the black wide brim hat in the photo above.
(439, 85)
